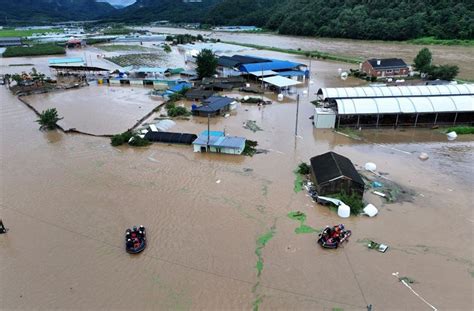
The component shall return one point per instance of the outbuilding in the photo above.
(10, 41)
(213, 106)
(219, 143)
(333, 174)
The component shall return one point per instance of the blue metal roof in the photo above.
(233, 142)
(54, 61)
(273, 65)
(180, 86)
(292, 73)
(150, 70)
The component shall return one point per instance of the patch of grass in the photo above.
(314, 54)
(123, 47)
(34, 50)
(117, 31)
(352, 133)
(303, 228)
(298, 184)
(460, 130)
(28, 32)
(434, 41)
(261, 242)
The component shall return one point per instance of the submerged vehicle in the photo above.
(135, 240)
(332, 237)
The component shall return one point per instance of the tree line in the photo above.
(357, 19)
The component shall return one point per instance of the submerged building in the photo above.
(217, 142)
(424, 105)
(333, 174)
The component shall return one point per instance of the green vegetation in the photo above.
(423, 63)
(183, 38)
(301, 218)
(121, 139)
(177, 111)
(123, 47)
(261, 242)
(34, 50)
(250, 148)
(381, 20)
(27, 33)
(298, 184)
(91, 41)
(126, 137)
(148, 59)
(313, 54)
(354, 201)
(434, 41)
(303, 168)
(167, 48)
(206, 62)
(460, 130)
(423, 60)
(48, 119)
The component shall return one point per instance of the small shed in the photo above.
(219, 144)
(197, 94)
(171, 138)
(333, 173)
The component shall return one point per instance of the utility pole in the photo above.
(297, 112)
(208, 130)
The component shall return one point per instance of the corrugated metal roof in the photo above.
(396, 91)
(265, 73)
(392, 105)
(273, 65)
(280, 81)
(292, 73)
(221, 141)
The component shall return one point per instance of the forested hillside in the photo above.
(362, 19)
(44, 11)
(171, 10)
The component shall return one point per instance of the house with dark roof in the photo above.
(198, 94)
(213, 106)
(386, 67)
(333, 173)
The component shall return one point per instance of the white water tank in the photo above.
(344, 211)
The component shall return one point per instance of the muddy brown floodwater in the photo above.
(459, 55)
(68, 198)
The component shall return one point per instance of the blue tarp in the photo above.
(212, 133)
(55, 61)
(273, 65)
(180, 86)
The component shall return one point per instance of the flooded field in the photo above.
(98, 110)
(219, 234)
(458, 55)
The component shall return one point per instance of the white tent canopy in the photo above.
(396, 91)
(280, 81)
(433, 104)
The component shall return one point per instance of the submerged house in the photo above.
(219, 143)
(333, 173)
(213, 106)
(198, 94)
(387, 67)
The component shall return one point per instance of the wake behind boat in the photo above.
(135, 240)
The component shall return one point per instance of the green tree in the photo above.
(206, 62)
(167, 48)
(443, 72)
(48, 119)
(423, 60)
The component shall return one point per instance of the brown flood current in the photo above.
(67, 200)
(459, 55)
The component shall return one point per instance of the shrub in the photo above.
(250, 148)
(137, 141)
(121, 139)
(48, 119)
(354, 201)
(167, 48)
(178, 111)
(303, 169)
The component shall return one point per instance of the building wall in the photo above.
(340, 185)
(398, 72)
(324, 120)
(197, 148)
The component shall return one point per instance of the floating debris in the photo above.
(252, 125)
